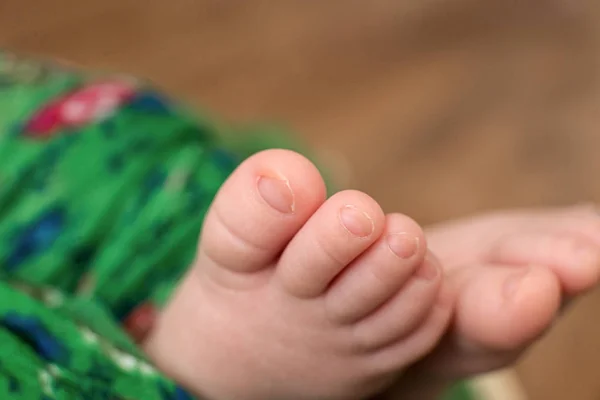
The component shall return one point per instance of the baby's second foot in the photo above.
(512, 272)
(294, 297)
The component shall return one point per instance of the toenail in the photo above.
(511, 286)
(277, 193)
(403, 245)
(356, 222)
(429, 270)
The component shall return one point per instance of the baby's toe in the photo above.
(258, 210)
(338, 232)
(574, 259)
(379, 273)
(401, 316)
(503, 308)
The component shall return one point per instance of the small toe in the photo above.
(379, 273)
(404, 352)
(339, 231)
(404, 312)
(574, 259)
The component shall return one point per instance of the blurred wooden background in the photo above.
(440, 107)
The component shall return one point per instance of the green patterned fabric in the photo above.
(104, 184)
(104, 187)
(56, 347)
(460, 391)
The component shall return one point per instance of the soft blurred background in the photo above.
(438, 108)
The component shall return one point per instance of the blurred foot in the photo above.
(511, 273)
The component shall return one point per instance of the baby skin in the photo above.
(295, 297)
(512, 273)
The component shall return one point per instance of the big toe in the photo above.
(258, 210)
(503, 308)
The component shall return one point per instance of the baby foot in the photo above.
(512, 273)
(294, 297)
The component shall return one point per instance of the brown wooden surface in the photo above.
(441, 107)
